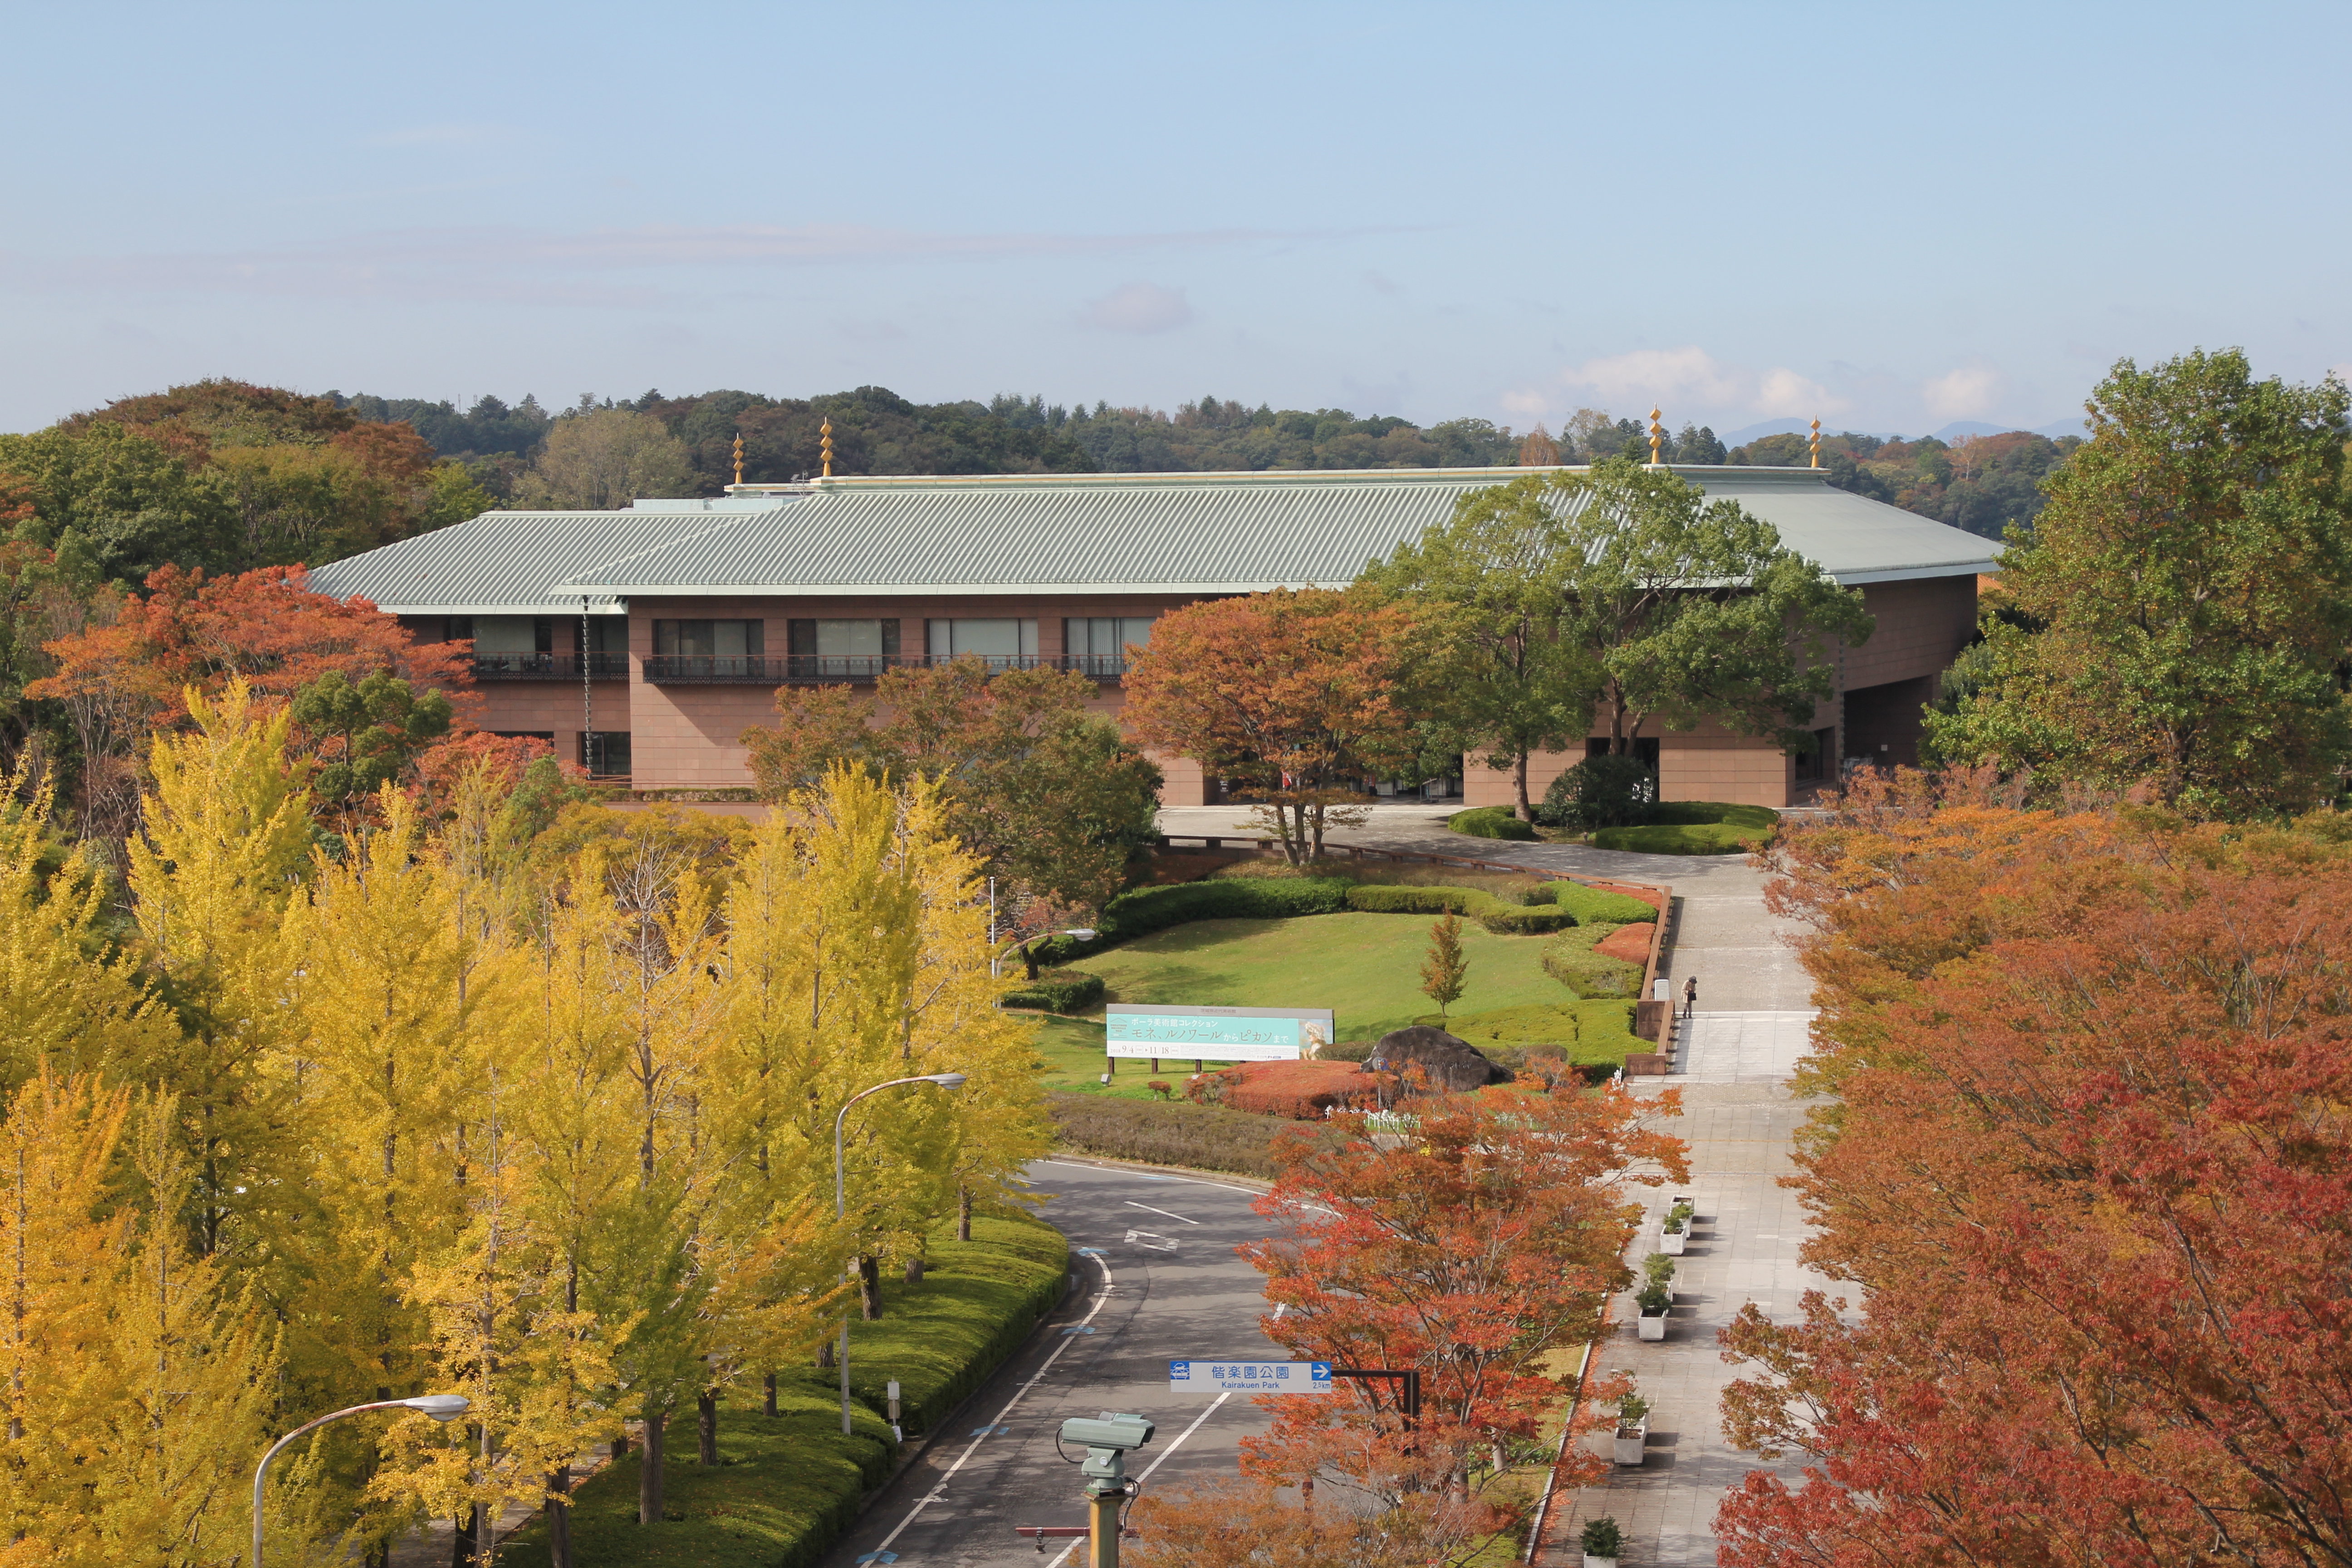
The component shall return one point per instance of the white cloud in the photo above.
(1685, 382)
(1139, 308)
(1962, 393)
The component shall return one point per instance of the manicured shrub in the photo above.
(1699, 839)
(1491, 822)
(1504, 919)
(1630, 944)
(1692, 813)
(1600, 792)
(1058, 991)
(1299, 1090)
(1143, 910)
(1203, 1137)
(1694, 828)
(1604, 1031)
(1569, 958)
(1600, 906)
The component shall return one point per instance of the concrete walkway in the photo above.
(1732, 1061)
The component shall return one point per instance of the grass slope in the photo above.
(786, 1487)
(1365, 967)
(1694, 828)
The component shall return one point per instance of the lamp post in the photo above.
(841, 1200)
(440, 1407)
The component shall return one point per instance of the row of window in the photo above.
(1090, 638)
(604, 752)
(1093, 636)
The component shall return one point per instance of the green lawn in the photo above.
(1365, 967)
(1694, 828)
(787, 1486)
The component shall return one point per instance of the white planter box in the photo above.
(1630, 1447)
(1649, 1326)
(1592, 1562)
(1672, 1242)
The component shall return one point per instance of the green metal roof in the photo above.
(1027, 534)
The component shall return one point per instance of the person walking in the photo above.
(1690, 996)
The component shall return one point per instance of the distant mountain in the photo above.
(1748, 433)
(1949, 433)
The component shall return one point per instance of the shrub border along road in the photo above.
(787, 1488)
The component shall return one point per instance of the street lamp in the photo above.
(440, 1407)
(841, 1201)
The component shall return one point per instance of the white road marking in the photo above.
(1195, 1427)
(1020, 1394)
(1147, 1209)
(1192, 1181)
(1151, 1239)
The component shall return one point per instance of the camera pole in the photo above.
(1105, 1497)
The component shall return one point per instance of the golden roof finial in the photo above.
(1817, 444)
(739, 459)
(824, 447)
(1657, 436)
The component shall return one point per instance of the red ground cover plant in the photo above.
(1630, 944)
(1302, 1091)
(2090, 1169)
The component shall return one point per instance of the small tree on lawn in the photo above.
(1445, 972)
(1293, 694)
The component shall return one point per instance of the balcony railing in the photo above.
(548, 666)
(809, 668)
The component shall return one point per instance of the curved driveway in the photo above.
(1157, 1279)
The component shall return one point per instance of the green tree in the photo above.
(2184, 601)
(380, 725)
(1694, 610)
(131, 500)
(1502, 674)
(1053, 797)
(597, 458)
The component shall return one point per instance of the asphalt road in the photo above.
(1160, 1282)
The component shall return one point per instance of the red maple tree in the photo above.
(1293, 694)
(1469, 1252)
(268, 626)
(2089, 1168)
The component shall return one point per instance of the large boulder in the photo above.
(1449, 1064)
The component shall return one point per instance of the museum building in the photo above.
(645, 641)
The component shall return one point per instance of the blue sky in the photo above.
(1891, 216)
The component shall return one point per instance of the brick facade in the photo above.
(688, 735)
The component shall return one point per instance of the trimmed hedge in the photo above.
(1569, 958)
(1600, 906)
(1201, 1137)
(1504, 919)
(1147, 909)
(1058, 991)
(1491, 822)
(1694, 827)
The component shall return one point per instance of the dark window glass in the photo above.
(605, 754)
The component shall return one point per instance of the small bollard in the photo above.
(895, 1432)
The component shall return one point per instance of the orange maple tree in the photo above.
(1469, 1252)
(268, 626)
(1293, 694)
(2089, 1167)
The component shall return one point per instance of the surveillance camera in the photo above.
(1120, 1432)
(1107, 1439)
